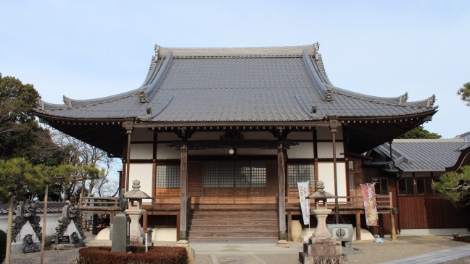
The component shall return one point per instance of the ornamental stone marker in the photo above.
(121, 233)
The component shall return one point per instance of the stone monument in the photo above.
(322, 247)
(135, 212)
(120, 240)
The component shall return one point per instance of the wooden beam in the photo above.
(237, 144)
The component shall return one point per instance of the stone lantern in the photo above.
(135, 211)
(321, 210)
(321, 247)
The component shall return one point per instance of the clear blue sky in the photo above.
(89, 49)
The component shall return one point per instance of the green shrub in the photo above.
(155, 255)
(3, 245)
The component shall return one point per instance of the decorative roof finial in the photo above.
(431, 101)
(157, 50)
(316, 45)
(67, 101)
(403, 99)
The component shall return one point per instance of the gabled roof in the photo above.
(200, 87)
(237, 85)
(419, 155)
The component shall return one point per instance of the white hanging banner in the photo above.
(304, 203)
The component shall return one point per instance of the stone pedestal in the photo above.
(136, 231)
(322, 230)
(121, 233)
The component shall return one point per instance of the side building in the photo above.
(219, 137)
(408, 168)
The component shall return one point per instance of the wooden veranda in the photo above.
(237, 217)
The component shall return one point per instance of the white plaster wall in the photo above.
(326, 174)
(325, 150)
(51, 224)
(141, 151)
(165, 152)
(325, 133)
(142, 134)
(302, 151)
(143, 173)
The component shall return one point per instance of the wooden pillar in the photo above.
(289, 224)
(358, 225)
(129, 127)
(282, 192)
(144, 220)
(183, 192)
(333, 127)
(393, 231)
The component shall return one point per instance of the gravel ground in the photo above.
(359, 252)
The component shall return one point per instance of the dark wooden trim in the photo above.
(237, 143)
(154, 150)
(329, 140)
(463, 160)
(315, 143)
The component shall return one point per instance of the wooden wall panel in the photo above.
(431, 212)
(195, 179)
(242, 195)
(211, 195)
(258, 195)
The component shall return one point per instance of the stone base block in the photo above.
(282, 243)
(63, 246)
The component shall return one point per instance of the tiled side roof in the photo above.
(236, 84)
(414, 155)
(52, 208)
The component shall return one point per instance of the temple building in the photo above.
(219, 137)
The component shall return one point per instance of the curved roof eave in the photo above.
(399, 100)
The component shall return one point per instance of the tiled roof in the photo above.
(414, 155)
(236, 85)
(52, 208)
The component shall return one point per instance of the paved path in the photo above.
(418, 249)
(440, 256)
(406, 250)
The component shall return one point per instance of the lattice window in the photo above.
(210, 174)
(406, 186)
(258, 174)
(242, 174)
(381, 185)
(168, 176)
(300, 173)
